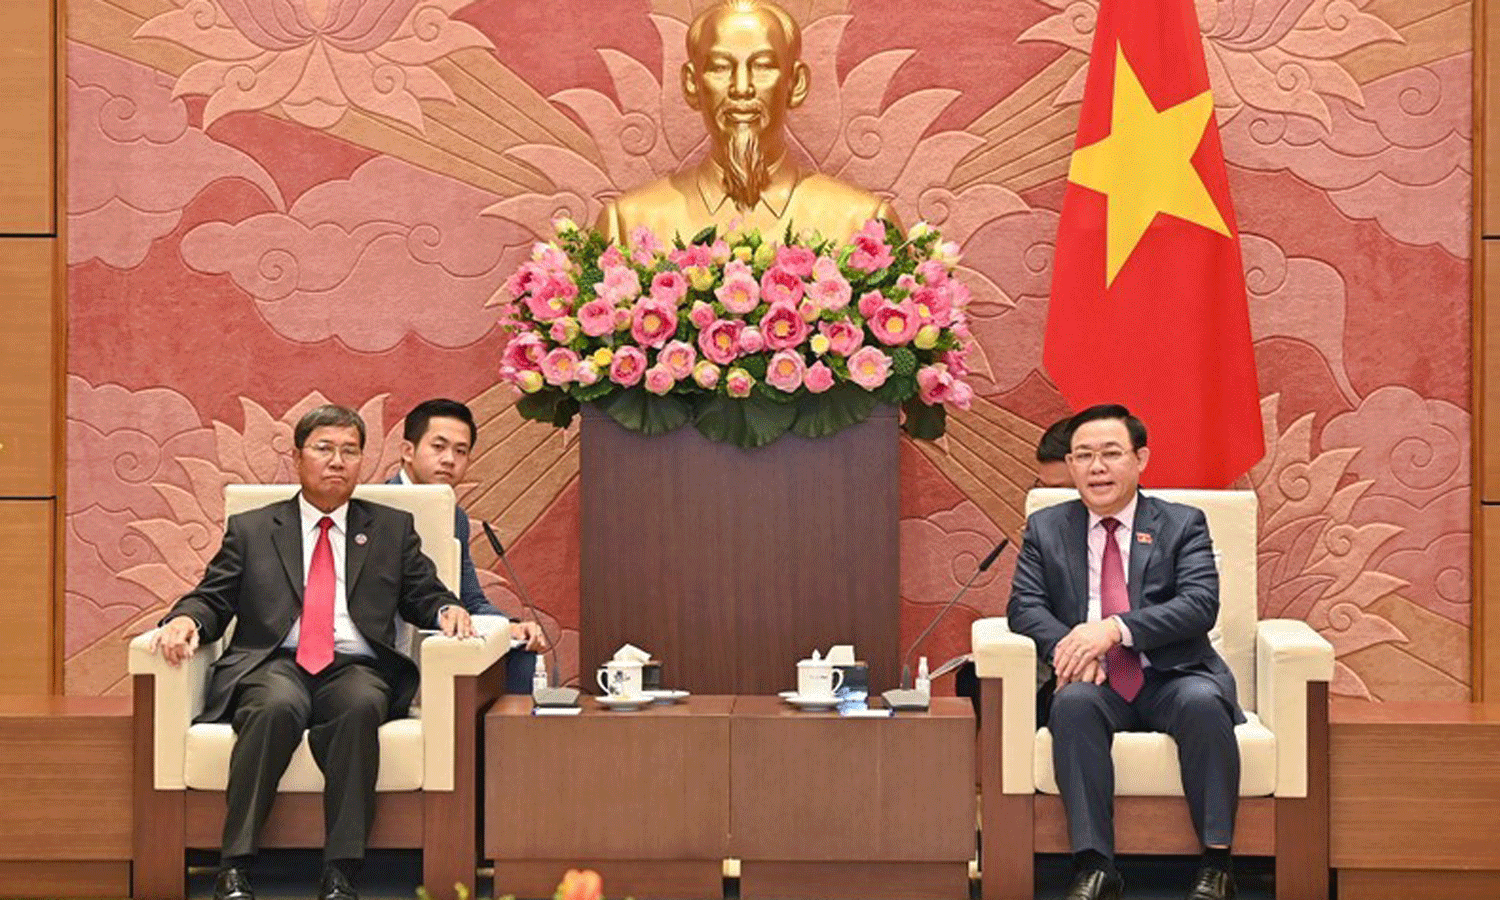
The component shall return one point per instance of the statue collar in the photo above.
(785, 176)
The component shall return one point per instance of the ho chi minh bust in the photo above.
(744, 72)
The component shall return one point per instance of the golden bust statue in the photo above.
(744, 73)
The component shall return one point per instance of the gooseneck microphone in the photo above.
(906, 698)
(556, 696)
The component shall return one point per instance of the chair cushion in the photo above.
(208, 747)
(1146, 762)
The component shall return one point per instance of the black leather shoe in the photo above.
(1212, 884)
(232, 884)
(335, 886)
(1094, 884)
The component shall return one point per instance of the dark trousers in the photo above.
(1190, 708)
(520, 666)
(341, 709)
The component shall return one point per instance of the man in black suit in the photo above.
(314, 585)
(1119, 591)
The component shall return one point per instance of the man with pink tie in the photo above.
(1119, 591)
(313, 585)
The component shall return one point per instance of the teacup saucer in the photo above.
(665, 696)
(824, 701)
(624, 704)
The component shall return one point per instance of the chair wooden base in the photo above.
(1016, 826)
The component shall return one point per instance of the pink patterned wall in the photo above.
(277, 202)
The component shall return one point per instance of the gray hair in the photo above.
(326, 416)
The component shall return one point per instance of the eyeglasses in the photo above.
(1085, 458)
(328, 450)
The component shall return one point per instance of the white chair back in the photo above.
(1232, 523)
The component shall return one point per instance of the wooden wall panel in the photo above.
(26, 117)
(26, 596)
(1487, 662)
(27, 347)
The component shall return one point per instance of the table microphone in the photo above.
(548, 696)
(906, 698)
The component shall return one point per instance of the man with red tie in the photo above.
(1119, 591)
(314, 585)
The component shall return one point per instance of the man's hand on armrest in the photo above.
(454, 620)
(531, 634)
(177, 640)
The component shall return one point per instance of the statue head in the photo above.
(743, 73)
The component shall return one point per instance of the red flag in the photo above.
(1148, 294)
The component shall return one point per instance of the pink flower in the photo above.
(871, 252)
(611, 258)
(597, 317)
(869, 367)
(653, 323)
(796, 260)
(780, 286)
(935, 384)
(785, 371)
(678, 357)
(524, 352)
(844, 337)
(706, 374)
(553, 299)
(895, 324)
(818, 378)
(719, 252)
(831, 293)
(751, 340)
(783, 327)
(623, 316)
(691, 255)
(934, 304)
(659, 380)
(701, 315)
(560, 366)
(551, 258)
(669, 287)
(932, 272)
(620, 284)
(526, 279)
(720, 341)
(644, 245)
(809, 310)
(588, 373)
(563, 330)
(740, 293)
(956, 362)
(870, 302)
(627, 367)
(738, 382)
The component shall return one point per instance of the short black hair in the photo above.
(1135, 427)
(1054, 445)
(328, 415)
(423, 413)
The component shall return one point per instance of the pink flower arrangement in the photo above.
(718, 320)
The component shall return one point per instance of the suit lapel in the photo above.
(356, 545)
(1140, 550)
(286, 534)
(1077, 542)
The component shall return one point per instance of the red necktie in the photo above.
(1122, 664)
(315, 639)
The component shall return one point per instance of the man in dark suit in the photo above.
(1119, 591)
(438, 438)
(313, 585)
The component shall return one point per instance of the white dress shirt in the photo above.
(346, 637)
(1097, 537)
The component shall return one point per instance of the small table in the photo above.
(829, 807)
(641, 797)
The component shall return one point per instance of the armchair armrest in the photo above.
(1003, 654)
(179, 695)
(444, 660)
(1288, 655)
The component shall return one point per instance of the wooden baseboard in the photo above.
(853, 881)
(297, 820)
(54, 878)
(1159, 825)
(1391, 884)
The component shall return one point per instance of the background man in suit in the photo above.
(314, 585)
(1128, 652)
(438, 438)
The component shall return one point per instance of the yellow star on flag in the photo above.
(1145, 166)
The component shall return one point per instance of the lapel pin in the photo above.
(360, 539)
(1141, 537)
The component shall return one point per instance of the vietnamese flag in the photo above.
(1148, 294)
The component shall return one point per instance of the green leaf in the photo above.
(639, 410)
(706, 236)
(924, 422)
(546, 405)
(821, 415)
(749, 423)
(897, 389)
(592, 392)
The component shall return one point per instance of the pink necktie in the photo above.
(1122, 664)
(315, 640)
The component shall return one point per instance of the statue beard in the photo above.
(746, 171)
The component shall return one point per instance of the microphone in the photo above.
(905, 698)
(550, 696)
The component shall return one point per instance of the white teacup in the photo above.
(818, 678)
(620, 677)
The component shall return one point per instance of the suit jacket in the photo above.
(256, 580)
(1173, 585)
(470, 594)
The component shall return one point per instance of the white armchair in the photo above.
(426, 794)
(1282, 669)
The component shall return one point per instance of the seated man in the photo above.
(1128, 653)
(314, 584)
(438, 442)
